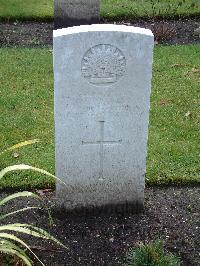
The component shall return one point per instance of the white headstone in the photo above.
(75, 12)
(102, 79)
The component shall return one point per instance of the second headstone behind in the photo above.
(69, 13)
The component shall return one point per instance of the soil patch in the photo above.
(39, 34)
(171, 214)
(26, 34)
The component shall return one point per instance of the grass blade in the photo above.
(16, 239)
(27, 167)
(17, 211)
(30, 230)
(19, 194)
(13, 252)
(9, 248)
(19, 145)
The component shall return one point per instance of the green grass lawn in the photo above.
(26, 108)
(26, 9)
(119, 9)
(110, 9)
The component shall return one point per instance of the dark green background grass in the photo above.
(110, 9)
(26, 10)
(26, 108)
(127, 9)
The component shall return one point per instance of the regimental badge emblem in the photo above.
(103, 64)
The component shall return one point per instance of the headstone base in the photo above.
(122, 209)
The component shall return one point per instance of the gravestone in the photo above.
(102, 76)
(75, 12)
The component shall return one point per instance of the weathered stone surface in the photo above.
(102, 97)
(75, 12)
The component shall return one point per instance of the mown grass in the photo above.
(110, 9)
(26, 10)
(130, 9)
(26, 108)
(173, 155)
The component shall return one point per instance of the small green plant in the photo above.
(10, 244)
(151, 254)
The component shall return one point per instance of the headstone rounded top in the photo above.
(103, 28)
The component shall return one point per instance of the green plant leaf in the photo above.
(9, 248)
(19, 145)
(27, 167)
(3, 216)
(30, 230)
(16, 239)
(17, 195)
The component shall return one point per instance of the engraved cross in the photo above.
(101, 142)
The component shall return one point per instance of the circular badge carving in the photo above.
(103, 64)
